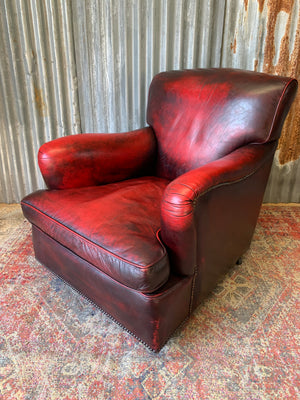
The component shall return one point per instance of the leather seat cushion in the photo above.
(115, 227)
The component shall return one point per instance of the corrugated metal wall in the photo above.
(264, 35)
(38, 86)
(121, 45)
(86, 65)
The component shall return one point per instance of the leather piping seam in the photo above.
(194, 203)
(193, 289)
(233, 181)
(95, 244)
(197, 195)
(145, 294)
(277, 107)
(104, 312)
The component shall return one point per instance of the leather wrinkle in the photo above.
(229, 182)
(184, 203)
(96, 244)
(157, 293)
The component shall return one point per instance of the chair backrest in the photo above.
(201, 115)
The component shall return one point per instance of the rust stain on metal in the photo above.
(39, 101)
(284, 5)
(261, 4)
(233, 46)
(246, 5)
(287, 65)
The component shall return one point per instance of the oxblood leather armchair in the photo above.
(145, 223)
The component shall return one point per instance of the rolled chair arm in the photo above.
(187, 202)
(96, 158)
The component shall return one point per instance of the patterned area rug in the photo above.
(242, 343)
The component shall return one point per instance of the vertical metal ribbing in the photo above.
(71, 66)
(38, 87)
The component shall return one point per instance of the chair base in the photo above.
(151, 318)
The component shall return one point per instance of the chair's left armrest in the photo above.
(97, 158)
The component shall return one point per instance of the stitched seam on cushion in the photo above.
(97, 306)
(107, 313)
(115, 320)
(100, 247)
(145, 294)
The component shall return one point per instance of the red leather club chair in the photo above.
(145, 223)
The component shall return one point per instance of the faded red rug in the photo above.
(242, 343)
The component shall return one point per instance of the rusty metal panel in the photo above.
(264, 35)
(125, 43)
(283, 184)
(38, 87)
(70, 66)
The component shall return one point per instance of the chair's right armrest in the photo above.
(91, 159)
(215, 208)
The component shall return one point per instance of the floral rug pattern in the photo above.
(241, 343)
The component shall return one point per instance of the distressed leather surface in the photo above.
(183, 203)
(152, 318)
(94, 159)
(202, 115)
(153, 247)
(114, 227)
